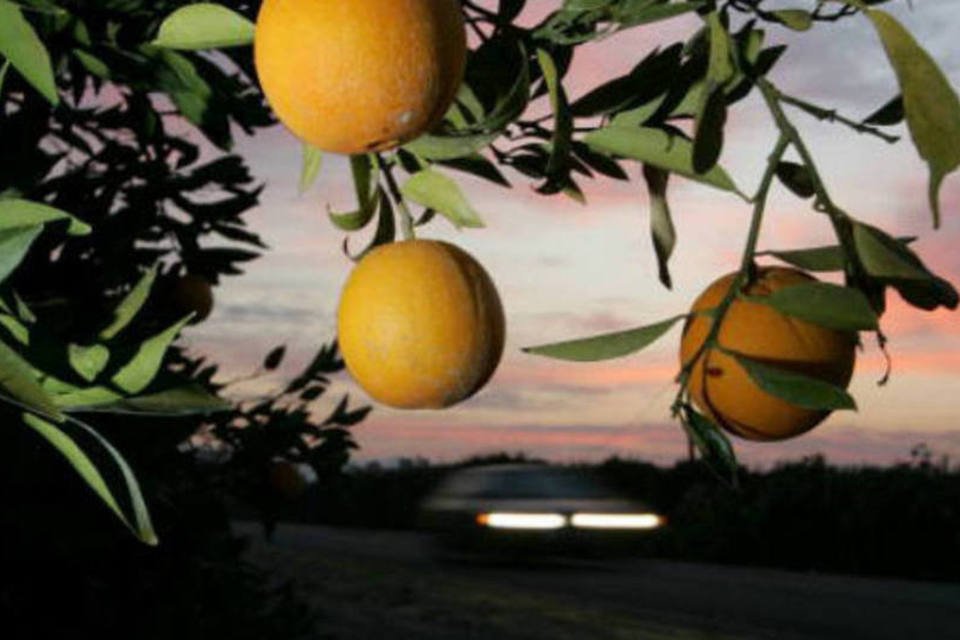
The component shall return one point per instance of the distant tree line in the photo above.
(807, 515)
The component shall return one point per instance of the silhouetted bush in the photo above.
(807, 515)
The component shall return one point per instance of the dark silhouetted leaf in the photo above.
(887, 115)
(797, 178)
(274, 358)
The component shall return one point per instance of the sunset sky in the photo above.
(565, 270)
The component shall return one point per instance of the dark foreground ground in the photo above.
(377, 584)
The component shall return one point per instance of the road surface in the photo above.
(373, 584)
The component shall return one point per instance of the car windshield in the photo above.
(526, 483)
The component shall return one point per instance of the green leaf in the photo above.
(17, 378)
(365, 186)
(710, 441)
(825, 304)
(607, 346)
(661, 222)
(188, 90)
(16, 214)
(795, 388)
(563, 122)
(830, 258)
(137, 374)
(796, 19)
(310, 168)
(438, 192)
(180, 401)
(649, 12)
(14, 244)
(3, 73)
(24, 50)
(142, 527)
(797, 178)
(450, 147)
(93, 64)
(931, 105)
(386, 228)
(23, 310)
(84, 466)
(76, 399)
(204, 25)
(88, 361)
(720, 67)
(883, 256)
(16, 328)
(128, 308)
(656, 147)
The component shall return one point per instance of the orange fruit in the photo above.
(353, 76)
(287, 479)
(420, 324)
(192, 294)
(721, 388)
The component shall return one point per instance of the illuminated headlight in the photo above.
(616, 520)
(522, 520)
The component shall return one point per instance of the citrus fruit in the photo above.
(192, 294)
(720, 387)
(353, 76)
(420, 324)
(287, 479)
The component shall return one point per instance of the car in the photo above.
(533, 508)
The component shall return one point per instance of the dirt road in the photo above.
(375, 584)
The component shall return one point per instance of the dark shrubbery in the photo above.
(902, 520)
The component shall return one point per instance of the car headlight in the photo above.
(504, 520)
(616, 520)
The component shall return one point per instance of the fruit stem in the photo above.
(824, 203)
(406, 219)
(747, 268)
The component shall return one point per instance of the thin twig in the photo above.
(406, 219)
(831, 115)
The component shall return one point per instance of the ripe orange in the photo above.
(192, 294)
(420, 324)
(353, 76)
(723, 390)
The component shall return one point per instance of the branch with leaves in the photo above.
(668, 114)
